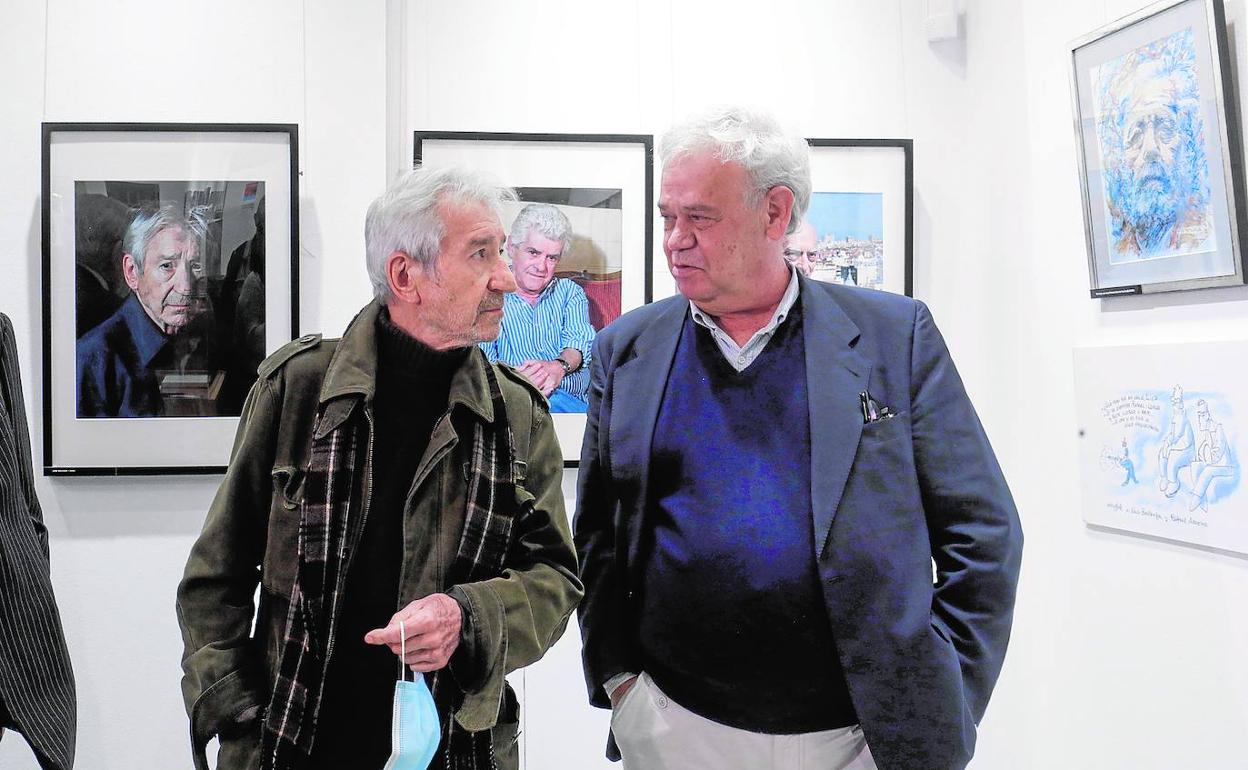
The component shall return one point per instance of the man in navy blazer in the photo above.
(797, 546)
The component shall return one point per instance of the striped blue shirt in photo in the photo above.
(559, 320)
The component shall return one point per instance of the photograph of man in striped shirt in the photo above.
(546, 332)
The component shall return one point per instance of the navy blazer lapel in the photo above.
(637, 393)
(835, 375)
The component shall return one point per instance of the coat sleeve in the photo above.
(514, 618)
(222, 683)
(603, 616)
(976, 536)
(41, 530)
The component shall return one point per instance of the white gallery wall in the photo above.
(119, 545)
(1128, 652)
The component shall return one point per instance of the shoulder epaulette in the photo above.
(287, 352)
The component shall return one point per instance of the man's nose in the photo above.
(679, 238)
(1150, 146)
(183, 278)
(501, 279)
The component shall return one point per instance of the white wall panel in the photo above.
(146, 60)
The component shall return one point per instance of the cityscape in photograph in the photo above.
(849, 260)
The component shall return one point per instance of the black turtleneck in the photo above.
(413, 386)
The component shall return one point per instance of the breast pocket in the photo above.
(281, 552)
(883, 472)
(886, 430)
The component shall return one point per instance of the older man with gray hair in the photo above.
(771, 466)
(120, 361)
(546, 333)
(395, 494)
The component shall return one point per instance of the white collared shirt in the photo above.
(741, 356)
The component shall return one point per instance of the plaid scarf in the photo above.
(328, 530)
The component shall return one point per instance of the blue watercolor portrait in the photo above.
(1151, 136)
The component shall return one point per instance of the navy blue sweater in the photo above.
(733, 625)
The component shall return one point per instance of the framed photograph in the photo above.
(579, 242)
(170, 270)
(860, 226)
(1160, 163)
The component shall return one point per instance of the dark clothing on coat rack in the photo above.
(36, 681)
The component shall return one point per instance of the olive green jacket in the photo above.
(251, 534)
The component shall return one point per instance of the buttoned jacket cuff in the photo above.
(466, 665)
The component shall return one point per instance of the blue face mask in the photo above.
(414, 728)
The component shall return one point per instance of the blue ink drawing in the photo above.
(1186, 463)
(1151, 135)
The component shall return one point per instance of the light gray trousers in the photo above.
(655, 732)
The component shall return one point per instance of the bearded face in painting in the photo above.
(1151, 135)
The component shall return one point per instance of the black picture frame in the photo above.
(191, 429)
(869, 167)
(623, 163)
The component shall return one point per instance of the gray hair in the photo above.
(547, 220)
(755, 141)
(151, 220)
(405, 218)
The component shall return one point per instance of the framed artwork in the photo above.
(170, 270)
(1160, 164)
(1161, 440)
(598, 191)
(860, 226)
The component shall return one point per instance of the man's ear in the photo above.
(779, 209)
(130, 271)
(406, 276)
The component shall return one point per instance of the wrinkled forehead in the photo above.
(693, 176)
(172, 240)
(1155, 93)
(805, 237)
(469, 220)
(460, 208)
(538, 241)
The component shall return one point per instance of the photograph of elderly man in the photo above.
(159, 330)
(167, 326)
(546, 332)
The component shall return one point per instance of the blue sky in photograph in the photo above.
(847, 215)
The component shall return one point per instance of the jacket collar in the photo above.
(353, 372)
